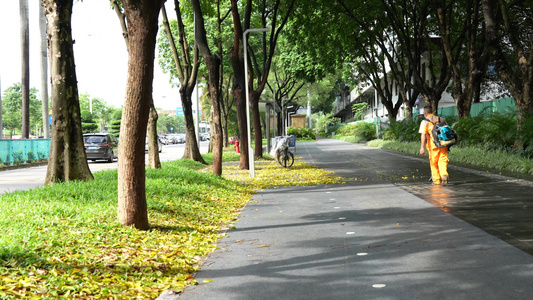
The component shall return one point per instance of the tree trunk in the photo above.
(258, 135)
(142, 20)
(192, 151)
(153, 145)
(240, 102)
(67, 160)
(211, 129)
(153, 149)
(187, 70)
(44, 73)
(225, 131)
(25, 63)
(237, 63)
(518, 79)
(213, 63)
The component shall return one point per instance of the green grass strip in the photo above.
(469, 155)
(64, 241)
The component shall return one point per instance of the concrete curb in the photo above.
(23, 166)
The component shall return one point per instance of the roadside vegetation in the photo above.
(355, 132)
(64, 241)
(486, 141)
(302, 134)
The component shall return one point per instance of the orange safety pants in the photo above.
(438, 160)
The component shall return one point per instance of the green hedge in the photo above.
(302, 133)
(361, 130)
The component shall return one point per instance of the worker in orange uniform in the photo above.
(438, 157)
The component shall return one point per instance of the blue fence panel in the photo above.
(24, 151)
(5, 151)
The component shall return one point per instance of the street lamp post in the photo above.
(250, 153)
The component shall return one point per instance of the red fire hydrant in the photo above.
(236, 146)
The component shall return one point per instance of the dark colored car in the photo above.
(100, 146)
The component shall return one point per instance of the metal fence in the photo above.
(24, 151)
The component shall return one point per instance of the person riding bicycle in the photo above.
(281, 152)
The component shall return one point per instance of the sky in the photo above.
(99, 53)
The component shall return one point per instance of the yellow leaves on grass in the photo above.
(269, 173)
(94, 257)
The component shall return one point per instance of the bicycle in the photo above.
(281, 152)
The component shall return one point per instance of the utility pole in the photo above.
(25, 67)
(44, 72)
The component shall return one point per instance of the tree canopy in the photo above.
(12, 107)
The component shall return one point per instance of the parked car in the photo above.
(204, 136)
(181, 138)
(159, 145)
(163, 139)
(100, 146)
(173, 139)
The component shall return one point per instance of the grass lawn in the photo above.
(349, 139)
(473, 156)
(64, 241)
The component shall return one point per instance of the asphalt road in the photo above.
(387, 233)
(28, 178)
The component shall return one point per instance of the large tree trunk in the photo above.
(67, 160)
(192, 151)
(239, 92)
(187, 70)
(44, 73)
(240, 102)
(153, 145)
(142, 19)
(25, 63)
(213, 63)
(153, 155)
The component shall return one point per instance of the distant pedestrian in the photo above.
(438, 157)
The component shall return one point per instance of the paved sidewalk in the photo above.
(367, 239)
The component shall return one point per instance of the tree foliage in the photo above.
(102, 112)
(88, 124)
(12, 108)
(171, 124)
(509, 31)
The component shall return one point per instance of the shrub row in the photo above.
(497, 131)
(361, 131)
(302, 133)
